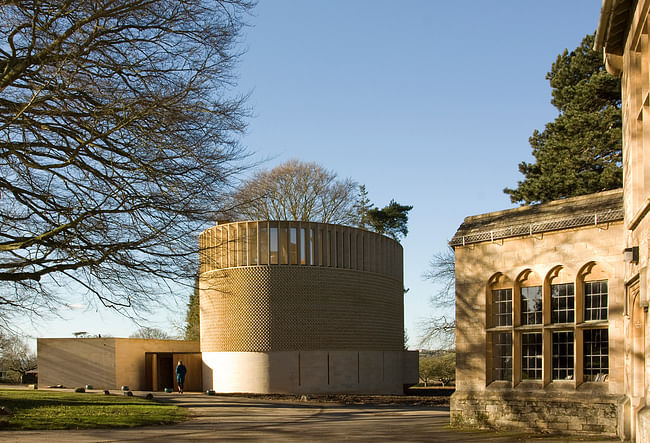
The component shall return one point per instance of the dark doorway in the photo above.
(165, 371)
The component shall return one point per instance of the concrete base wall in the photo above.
(554, 412)
(307, 371)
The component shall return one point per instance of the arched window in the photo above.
(499, 292)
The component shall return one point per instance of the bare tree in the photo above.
(297, 190)
(118, 140)
(153, 333)
(439, 330)
(15, 357)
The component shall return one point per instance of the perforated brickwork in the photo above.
(278, 308)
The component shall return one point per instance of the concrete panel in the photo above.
(410, 367)
(393, 372)
(304, 371)
(238, 371)
(344, 371)
(371, 371)
(284, 370)
(76, 362)
(314, 371)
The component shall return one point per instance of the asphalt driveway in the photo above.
(245, 419)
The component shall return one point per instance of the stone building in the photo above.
(302, 307)
(623, 36)
(553, 322)
(540, 317)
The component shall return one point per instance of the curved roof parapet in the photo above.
(286, 243)
(585, 210)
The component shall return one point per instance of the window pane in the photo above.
(264, 244)
(502, 356)
(323, 246)
(331, 236)
(502, 307)
(596, 300)
(252, 244)
(313, 257)
(284, 244)
(596, 355)
(241, 244)
(562, 303)
(273, 245)
(293, 246)
(531, 356)
(531, 305)
(232, 245)
(304, 233)
(563, 355)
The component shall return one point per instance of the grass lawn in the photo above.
(66, 410)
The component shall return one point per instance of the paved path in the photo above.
(242, 419)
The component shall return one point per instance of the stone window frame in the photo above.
(594, 310)
(599, 376)
(527, 314)
(563, 355)
(589, 273)
(502, 307)
(563, 303)
(532, 362)
(502, 350)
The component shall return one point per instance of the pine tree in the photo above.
(391, 220)
(192, 318)
(580, 152)
(361, 207)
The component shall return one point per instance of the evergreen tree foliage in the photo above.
(361, 207)
(391, 220)
(192, 318)
(580, 151)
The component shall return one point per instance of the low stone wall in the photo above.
(547, 412)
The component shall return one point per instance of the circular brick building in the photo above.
(301, 307)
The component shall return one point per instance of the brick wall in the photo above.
(279, 308)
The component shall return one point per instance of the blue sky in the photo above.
(429, 103)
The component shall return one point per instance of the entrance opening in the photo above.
(160, 370)
(165, 371)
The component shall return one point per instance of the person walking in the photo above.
(181, 370)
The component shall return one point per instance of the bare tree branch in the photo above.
(296, 191)
(440, 330)
(118, 143)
